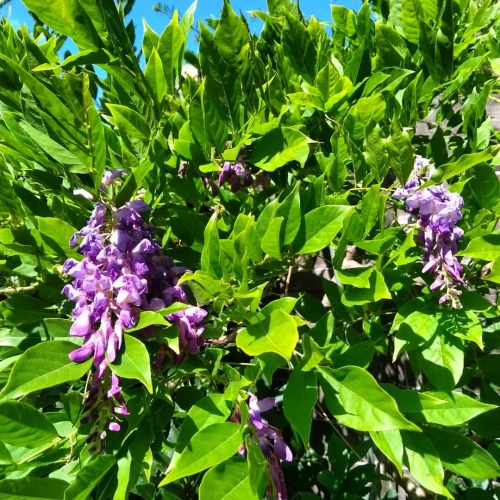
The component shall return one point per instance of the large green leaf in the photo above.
(208, 128)
(279, 147)
(443, 361)
(233, 40)
(356, 400)
(54, 149)
(465, 162)
(209, 410)
(210, 446)
(376, 291)
(222, 82)
(462, 455)
(155, 78)
(299, 47)
(32, 488)
(88, 477)
(129, 122)
(400, 151)
(422, 460)
(22, 425)
(229, 480)
(438, 407)
(485, 247)
(275, 333)
(299, 398)
(390, 444)
(171, 50)
(69, 18)
(271, 241)
(289, 209)
(210, 255)
(321, 225)
(44, 365)
(133, 362)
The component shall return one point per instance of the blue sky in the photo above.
(143, 9)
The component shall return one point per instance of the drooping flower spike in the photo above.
(272, 444)
(438, 211)
(123, 272)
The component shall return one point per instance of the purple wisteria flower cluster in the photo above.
(237, 174)
(438, 211)
(123, 272)
(272, 444)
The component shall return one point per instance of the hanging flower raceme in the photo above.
(272, 444)
(123, 272)
(438, 210)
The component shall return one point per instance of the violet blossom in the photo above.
(123, 272)
(438, 210)
(236, 174)
(272, 444)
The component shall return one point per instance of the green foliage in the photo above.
(311, 276)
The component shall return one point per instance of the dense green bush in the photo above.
(264, 225)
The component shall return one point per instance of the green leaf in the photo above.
(222, 83)
(276, 333)
(129, 122)
(321, 225)
(155, 78)
(422, 461)
(409, 21)
(299, 398)
(149, 318)
(208, 447)
(265, 218)
(54, 149)
(32, 488)
(133, 362)
(229, 480)
(271, 241)
(358, 276)
(207, 126)
(356, 400)
(462, 455)
(41, 366)
(438, 407)
(369, 208)
(233, 40)
(56, 234)
(210, 255)
(400, 151)
(171, 51)
(443, 361)
(464, 163)
(299, 47)
(88, 477)
(289, 209)
(485, 247)
(366, 110)
(278, 147)
(209, 410)
(391, 48)
(24, 426)
(390, 444)
(377, 291)
(332, 85)
(376, 155)
(69, 18)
